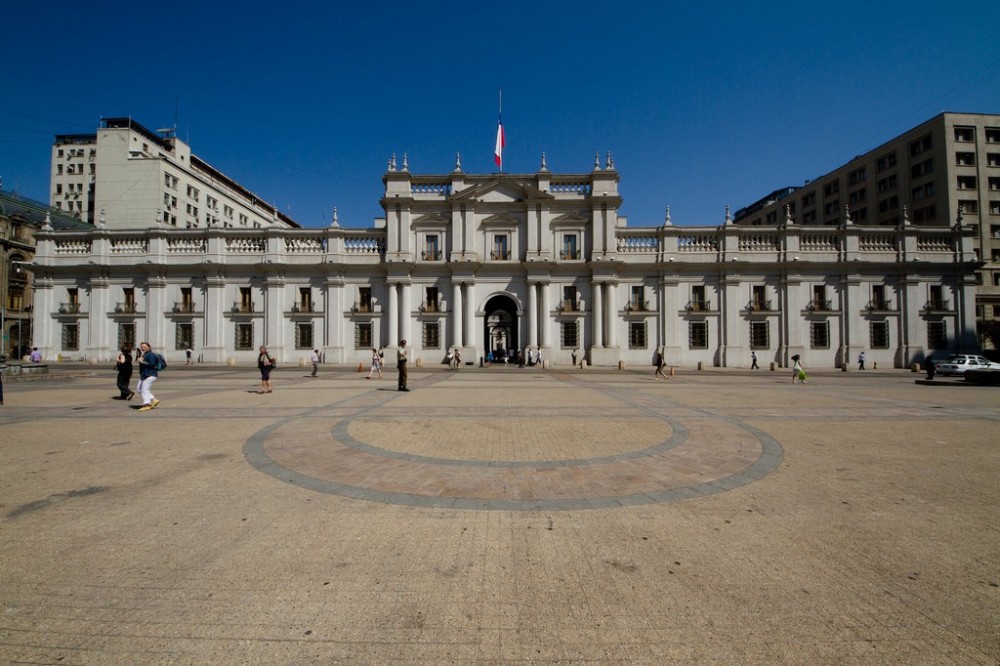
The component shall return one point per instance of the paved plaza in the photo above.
(500, 516)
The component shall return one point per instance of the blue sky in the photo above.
(701, 104)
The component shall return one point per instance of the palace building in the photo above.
(540, 261)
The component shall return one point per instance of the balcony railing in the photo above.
(938, 305)
(243, 308)
(500, 255)
(759, 306)
(637, 306)
(880, 304)
(362, 307)
(69, 308)
(125, 308)
(183, 308)
(431, 255)
(819, 305)
(569, 254)
(431, 306)
(302, 307)
(568, 306)
(699, 306)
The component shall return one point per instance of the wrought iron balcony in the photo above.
(431, 306)
(699, 306)
(938, 305)
(498, 255)
(880, 304)
(243, 308)
(69, 308)
(125, 308)
(569, 254)
(759, 306)
(637, 306)
(432, 255)
(183, 308)
(568, 306)
(820, 306)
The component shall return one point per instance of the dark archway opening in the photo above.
(500, 325)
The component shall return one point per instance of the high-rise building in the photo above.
(941, 172)
(127, 176)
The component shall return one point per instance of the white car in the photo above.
(957, 364)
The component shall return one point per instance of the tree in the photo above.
(989, 330)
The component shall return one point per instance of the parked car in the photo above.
(957, 364)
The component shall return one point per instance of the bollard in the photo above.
(773, 366)
(699, 365)
(671, 371)
(231, 362)
(361, 367)
(915, 367)
(419, 363)
(875, 365)
(621, 365)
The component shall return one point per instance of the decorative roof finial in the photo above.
(788, 214)
(960, 217)
(406, 165)
(47, 225)
(847, 216)
(666, 218)
(729, 217)
(905, 220)
(597, 160)
(392, 162)
(102, 220)
(335, 220)
(544, 167)
(458, 162)
(610, 164)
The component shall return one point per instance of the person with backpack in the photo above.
(265, 363)
(150, 364)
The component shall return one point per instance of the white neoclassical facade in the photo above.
(541, 262)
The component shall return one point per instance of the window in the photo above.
(878, 333)
(243, 220)
(831, 207)
(936, 300)
(128, 301)
(244, 336)
(856, 176)
(246, 300)
(808, 216)
(71, 337)
(925, 215)
(887, 183)
(363, 335)
(170, 181)
(859, 215)
(569, 298)
(698, 302)
(569, 247)
(993, 159)
(304, 335)
(995, 210)
(211, 202)
(920, 145)
(698, 335)
(184, 335)
(965, 134)
(364, 299)
(879, 300)
(569, 337)
(831, 188)
(992, 135)
(760, 335)
(857, 196)
(637, 299)
(965, 159)
(922, 191)
(126, 335)
(187, 299)
(994, 184)
(500, 247)
(819, 335)
(227, 211)
(433, 302)
(809, 200)
(431, 335)
(969, 206)
(966, 182)
(637, 335)
(305, 301)
(886, 162)
(432, 249)
(193, 192)
(937, 335)
(892, 203)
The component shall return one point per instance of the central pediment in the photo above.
(501, 190)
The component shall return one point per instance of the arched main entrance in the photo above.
(500, 324)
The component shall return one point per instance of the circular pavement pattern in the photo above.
(403, 448)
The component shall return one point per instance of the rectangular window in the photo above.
(363, 335)
(966, 182)
(920, 145)
(244, 336)
(246, 300)
(698, 301)
(809, 199)
(857, 196)
(569, 247)
(364, 299)
(433, 302)
(995, 210)
(857, 176)
(637, 335)
(819, 335)
(819, 301)
(304, 335)
(569, 298)
(569, 337)
(698, 335)
(71, 337)
(126, 336)
(431, 335)
(184, 335)
(305, 299)
(886, 162)
(887, 183)
(879, 300)
(758, 298)
(994, 184)
(937, 335)
(993, 159)
(878, 333)
(965, 134)
(970, 206)
(637, 299)
(432, 248)
(760, 335)
(831, 188)
(965, 159)
(501, 248)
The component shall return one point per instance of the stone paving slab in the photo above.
(499, 517)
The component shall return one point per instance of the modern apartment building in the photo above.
(941, 173)
(127, 176)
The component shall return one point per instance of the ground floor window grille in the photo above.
(363, 335)
(432, 335)
(569, 336)
(126, 336)
(879, 334)
(760, 335)
(937, 335)
(71, 337)
(698, 335)
(303, 336)
(184, 336)
(637, 335)
(244, 336)
(819, 335)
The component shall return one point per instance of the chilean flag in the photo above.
(498, 151)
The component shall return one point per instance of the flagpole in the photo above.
(498, 151)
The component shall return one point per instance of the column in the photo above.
(215, 329)
(611, 315)
(533, 315)
(469, 337)
(543, 316)
(393, 316)
(456, 314)
(597, 316)
(404, 314)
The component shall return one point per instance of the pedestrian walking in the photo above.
(401, 365)
(861, 361)
(189, 355)
(315, 361)
(265, 363)
(798, 374)
(150, 364)
(124, 368)
(376, 364)
(661, 363)
(753, 359)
